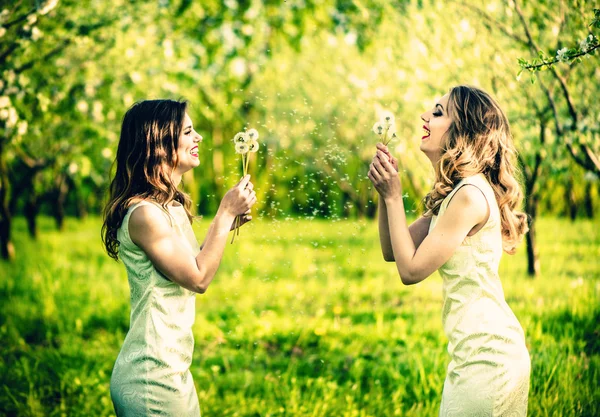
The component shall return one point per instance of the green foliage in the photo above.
(304, 318)
(585, 48)
(313, 76)
(596, 21)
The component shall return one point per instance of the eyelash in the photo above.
(188, 132)
(437, 114)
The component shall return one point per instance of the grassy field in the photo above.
(303, 319)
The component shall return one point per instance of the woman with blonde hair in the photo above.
(471, 217)
(147, 224)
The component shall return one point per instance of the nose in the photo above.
(424, 119)
(198, 138)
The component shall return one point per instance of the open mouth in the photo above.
(428, 133)
(194, 151)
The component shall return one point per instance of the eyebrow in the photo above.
(188, 127)
(438, 104)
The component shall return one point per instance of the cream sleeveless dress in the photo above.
(151, 376)
(488, 374)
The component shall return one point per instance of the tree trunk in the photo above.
(570, 200)
(533, 258)
(31, 212)
(532, 191)
(27, 186)
(587, 202)
(62, 188)
(81, 209)
(532, 202)
(24, 173)
(7, 250)
(80, 204)
(345, 204)
(371, 209)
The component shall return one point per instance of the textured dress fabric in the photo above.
(151, 376)
(489, 368)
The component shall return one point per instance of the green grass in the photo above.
(303, 319)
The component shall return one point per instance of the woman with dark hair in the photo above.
(471, 217)
(147, 224)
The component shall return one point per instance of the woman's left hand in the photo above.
(384, 176)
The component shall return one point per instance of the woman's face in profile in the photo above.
(437, 121)
(187, 152)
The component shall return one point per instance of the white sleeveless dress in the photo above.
(151, 376)
(489, 370)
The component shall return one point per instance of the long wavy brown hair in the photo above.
(146, 157)
(479, 141)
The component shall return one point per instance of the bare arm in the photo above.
(418, 231)
(150, 229)
(384, 233)
(466, 210)
(246, 217)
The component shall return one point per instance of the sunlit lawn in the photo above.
(303, 319)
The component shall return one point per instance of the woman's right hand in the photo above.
(239, 199)
(386, 151)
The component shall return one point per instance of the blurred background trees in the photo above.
(311, 76)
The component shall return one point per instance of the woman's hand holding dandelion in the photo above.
(242, 219)
(394, 161)
(384, 177)
(239, 199)
(245, 144)
(383, 171)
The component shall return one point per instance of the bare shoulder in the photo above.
(469, 201)
(148, 220)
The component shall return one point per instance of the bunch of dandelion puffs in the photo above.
(385, 128)
(245, 144)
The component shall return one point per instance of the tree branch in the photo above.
(584, 163)
(591, 156)
(530, 42)
(6, 53)
(534, 48)
(555, 60)
(18, 19)
(497, 24)
(49, 55)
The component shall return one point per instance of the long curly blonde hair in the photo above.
(479, 141)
